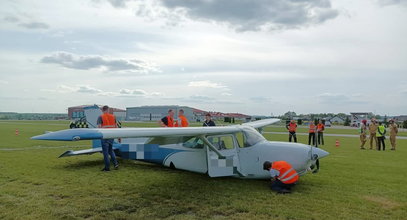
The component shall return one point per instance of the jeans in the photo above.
(107, 147)
(277, 186)
(292, 134)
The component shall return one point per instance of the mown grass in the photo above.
(35, 184)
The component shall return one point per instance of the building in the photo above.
(336, 120)
(155, 113)
(76, 112)
(357, 117)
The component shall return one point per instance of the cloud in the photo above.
(34, 25)
(74, 61)
(4, 82)
(26, 24)
(260, 99)
(137, 92)
(392, 2)
(243, 15)
(88, 89)
(11, 19)
(118, 3)
(205, 84)
(337, 98)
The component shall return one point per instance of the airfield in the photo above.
(35, 184)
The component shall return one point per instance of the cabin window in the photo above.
(194, 142)
(252, 137)
(222, 142)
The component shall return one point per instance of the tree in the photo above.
(405, 124)
(347, 121)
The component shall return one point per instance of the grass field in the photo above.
(35, 184)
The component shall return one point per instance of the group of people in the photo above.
(377, 134)
(312, 129)
(182, 121)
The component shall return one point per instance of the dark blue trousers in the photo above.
(107, 147)
(277, 186)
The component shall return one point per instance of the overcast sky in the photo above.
(250, 56)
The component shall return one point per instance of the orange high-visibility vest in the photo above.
(170, 121)
(321, 127)
(311, 128)
(287, 173)
(292, 127)
(108, 121)
(183, 120)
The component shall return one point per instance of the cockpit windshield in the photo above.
(252, 137)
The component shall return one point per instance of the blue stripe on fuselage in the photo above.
(146, 152)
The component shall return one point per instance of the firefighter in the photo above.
(107, 120)
(311, 133)
(167, 121)
(372, 133)
(292, 129)
(363, 129)
(381, 131)
(393, 133)
(283, 176)
(182, 120)
(320, 130)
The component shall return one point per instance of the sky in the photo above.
(263, 57)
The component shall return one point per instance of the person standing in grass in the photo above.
(208, 121)
(320, 130)
(311, 133)
(363, 129)
(107, 120)
(292, 129)
(182, 120)
(381, 131)
(167, 121)
(283, 176)
(372, 132)
(393, 133)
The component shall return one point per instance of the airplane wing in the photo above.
(262, 123)
(98, 133)
(90, 134)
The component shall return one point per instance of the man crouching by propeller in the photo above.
(283, 176)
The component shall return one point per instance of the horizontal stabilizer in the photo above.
(81, 152)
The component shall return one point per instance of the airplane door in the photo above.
(228, 166)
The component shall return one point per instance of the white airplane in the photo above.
(237, 151)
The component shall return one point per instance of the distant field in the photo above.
(35, 184)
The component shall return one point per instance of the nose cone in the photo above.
(70, 135)
(318, 151)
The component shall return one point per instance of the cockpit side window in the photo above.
(222, 142)
(194, 142)
(249, 137)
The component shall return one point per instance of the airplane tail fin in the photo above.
(92, 113)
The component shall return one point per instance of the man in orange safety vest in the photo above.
(292, 129)
(107, 120)
(283, 175)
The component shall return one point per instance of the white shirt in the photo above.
(274, 173)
